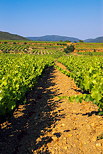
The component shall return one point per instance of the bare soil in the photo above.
(48, 125)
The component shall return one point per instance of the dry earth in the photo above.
(49, 125)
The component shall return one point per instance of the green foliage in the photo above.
(69, 49)
(86, 46)
(19, 73)
(87, 73)
(5, 42)
(62, 70)
(67, 41)
(91, 53)
(81, 41)
(25, 42)
(61, 43)
(14, 42)
(36, 48)
(9, 36)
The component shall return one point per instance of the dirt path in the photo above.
(48, 125)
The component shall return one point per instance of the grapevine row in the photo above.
(87, 73)
(18, 74)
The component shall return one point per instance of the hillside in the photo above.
(96, 40)
(53, 38)
(9, 36)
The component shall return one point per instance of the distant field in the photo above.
(91, 53)
(22, 62)
(31, 47)
(32, 42)
(46, 47)
(89, 45)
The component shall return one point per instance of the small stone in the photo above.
(98, 144)
(92, 124)
(99, 117)
(53, 132)
(54, 138)
(94, 139)
(69, 135)
(62, 124)
(65, 148)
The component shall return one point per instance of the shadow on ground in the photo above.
(24, 133)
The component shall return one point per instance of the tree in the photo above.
(69, 49)
(25, 42)
(81, 41)
(67, 41)
(14, 42)
(5, 42)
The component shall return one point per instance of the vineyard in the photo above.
(89, 47)
(18, 75)
(67, 93)
(20, 72)
(31, 47)
(91, 53)
(87, 73)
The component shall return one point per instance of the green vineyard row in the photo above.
(31, 49)
(87, 72)
(18, 74)
(91, 53)
(89, 45)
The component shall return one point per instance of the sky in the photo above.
(73, 18)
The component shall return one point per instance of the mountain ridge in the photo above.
(65, 38)
(53, 38)
(96, 40)
(9, 36)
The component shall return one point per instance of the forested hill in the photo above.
(96, 40)
(53, 38)
(9, 36)
(64, 38)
